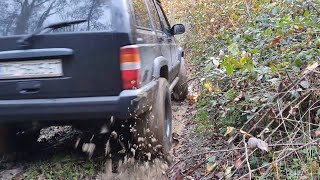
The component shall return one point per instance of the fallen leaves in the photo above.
(209, 86)
(238, 163)
(311, 68)
(232, 130)
(315, 134)
(309, 39)
(245, 133)
(192, 98)
(229, 130)
(228, 172)
(255, 142)
(211, 164)
(240, 97)
(274, 42)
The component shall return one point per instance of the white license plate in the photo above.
(31, 69)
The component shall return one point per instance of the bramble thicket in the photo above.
(256, 66)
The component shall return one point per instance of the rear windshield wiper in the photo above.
(26, 41)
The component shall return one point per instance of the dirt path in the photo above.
(62, 152)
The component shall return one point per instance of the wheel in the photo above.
(155, 126)
(180, 91)
(4, 141)
(14, 140)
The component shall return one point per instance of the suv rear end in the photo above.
(68, 73)
(83, 62)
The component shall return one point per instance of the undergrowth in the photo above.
(256, 62)
(63, 167)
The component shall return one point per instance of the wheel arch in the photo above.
(161, 68)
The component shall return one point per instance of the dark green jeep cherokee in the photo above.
(87, 63)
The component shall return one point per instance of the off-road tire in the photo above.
(180, 91)
(11, 141)
(154, 128)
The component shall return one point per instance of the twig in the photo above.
(293, 144)
(187, 172)
(280, 96)
(291, 120)
(257, 113)
(215, 39)
(278, 160)
(247, 157)
(235, 149)
(311, 108)
(315, 8)
(288, 76)
(228, 16)
(277, 116)
(204, 153)
(304, 98)
(248, 11)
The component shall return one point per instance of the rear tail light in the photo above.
(130, 62)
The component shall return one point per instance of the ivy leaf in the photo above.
(212, 159)
(254, 51)
(234, 49)
(306, 13)
(244, 60)
(275, 11)
(305, 84)
(248, 37)
(318, 113)
(229, 69)
(298, 62)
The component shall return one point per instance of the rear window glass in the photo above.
(155, 16)
(141, 14)
(27, 16)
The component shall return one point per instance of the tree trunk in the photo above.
(23, 18)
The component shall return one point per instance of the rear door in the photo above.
(76, 61)
(163, 35)
(171, 40)
(145, 38)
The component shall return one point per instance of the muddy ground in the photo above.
(57, 158)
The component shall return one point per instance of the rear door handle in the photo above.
(30, 91)
(29, 87)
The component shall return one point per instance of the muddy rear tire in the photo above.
(4, 140)
(180, 91)
(154, 128)
(13, 141)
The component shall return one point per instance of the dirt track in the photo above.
(60, 144)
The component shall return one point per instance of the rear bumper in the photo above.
(128, 104)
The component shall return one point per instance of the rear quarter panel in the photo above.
(149, 50)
